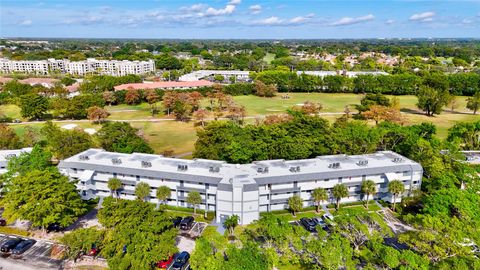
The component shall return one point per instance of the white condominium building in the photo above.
(350, 74)
(243, 190)
(238, 75)
(80, 68)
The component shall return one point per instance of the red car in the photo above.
(164, 264)
(93, 252)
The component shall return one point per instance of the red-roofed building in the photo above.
(164, 85)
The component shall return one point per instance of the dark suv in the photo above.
(54, 228)
(176, 221)
(23, 246)
(10, 244)
(181, 261)
(309, 224)
(186, 223)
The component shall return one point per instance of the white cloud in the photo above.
(255, 9)
(390, 21)
(26, 23)
(276, 21)
(194, 8)
(423, 17)
(273, 20)
(349, 20)
(228, 9)
(235, 2)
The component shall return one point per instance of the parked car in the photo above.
(165, 263)
(3, 222)
(176, 221)
(319, 221)
(181, 261)
(327, 217)
(54, 228)
(10, 244)
(308, 224)
(23, 246)
(93, 251)
(186, 223)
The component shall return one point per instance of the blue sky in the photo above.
(239, 19)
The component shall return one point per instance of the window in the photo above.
(75, 170)
(138, 177)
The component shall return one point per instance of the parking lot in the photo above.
(38, 256)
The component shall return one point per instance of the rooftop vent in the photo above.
(262, 170)
(83, 157)
(214, 169)
(334, 165)
(146, 164)
(397, 160)
(116, 161)
(362, 163)
(10, 156)
(295, 169)
(182, 167)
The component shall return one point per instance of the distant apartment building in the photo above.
(237, 75)
(243, 190)
(80, 68)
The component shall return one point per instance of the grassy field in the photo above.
(269, 57)
(180, 137)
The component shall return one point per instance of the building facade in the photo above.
(237, 75)
(243, 190)
(79, 68)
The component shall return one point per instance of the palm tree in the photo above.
(339, 191)
(395, 187)
(114, 184)
(163, 193)
(230, 223)
(319, 195)
(194, 199)
(142, 190)
(295, 203)
(368, 188)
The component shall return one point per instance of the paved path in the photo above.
(393, 222)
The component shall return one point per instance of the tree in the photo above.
(152, 99)
(295, 203)
(453, 103)
(142, 191)
(319, 195)
(230, 223)
(114, 184)
(132, 96)
(65, 143)
(309, 107)
(146, 233)
(33, 106)
(368, 188)
(109, 97)
(339, 191)
(432, 100)
(8, 138)
(194, 198)
(263, 90)
(43, 197)
(81, 241)
(473, 102)
(121, 137)
(163, 193)
(395, 187)
(201, 115)
(97, 114)
(379, 113)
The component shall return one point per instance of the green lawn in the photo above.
(269, 57)
(180, 137)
